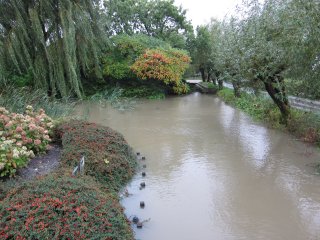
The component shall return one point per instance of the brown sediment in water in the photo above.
(213, 173)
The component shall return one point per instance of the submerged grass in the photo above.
(302, 124)
(114, 96)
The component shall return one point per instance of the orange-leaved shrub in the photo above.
(166, 65)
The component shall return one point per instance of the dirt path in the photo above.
(41, 164)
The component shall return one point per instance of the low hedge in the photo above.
(108, 156)
(62, 208)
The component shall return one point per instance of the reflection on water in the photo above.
(212, 173)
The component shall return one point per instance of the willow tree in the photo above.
(56, 41)
(230, 54)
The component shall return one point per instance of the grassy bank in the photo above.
(60, 206)
(304, 125)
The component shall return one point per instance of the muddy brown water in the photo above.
(213, 173)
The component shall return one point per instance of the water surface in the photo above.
(213, 173)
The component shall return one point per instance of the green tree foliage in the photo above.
(265, 57)
(125, 50)
(269, 42)
(57, 42)
(203, 55)
(165, 65)
(229, 55)
(204, 49)
(252, 51)
(158, 18)
(302, 34)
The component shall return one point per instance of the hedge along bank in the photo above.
(57, 207)
(108, 157)
(60, 206)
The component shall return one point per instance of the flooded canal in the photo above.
(213, 173)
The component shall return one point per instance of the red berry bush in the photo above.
(108, 156)
(62, 208)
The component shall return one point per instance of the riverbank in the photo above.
(304, 125)
(61, 206)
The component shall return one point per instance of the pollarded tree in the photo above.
(302, 34)
(215, 30)
(265, 57)
(57, 42)
(165, 65)
(230, 55)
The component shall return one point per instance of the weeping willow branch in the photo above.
(57, 41)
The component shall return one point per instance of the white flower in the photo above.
(17, 136)
(2, 166)
(31, 154)
(16, 153)
(29, 107)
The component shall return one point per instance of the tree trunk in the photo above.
(203, 76)
(214, 80)
(236, 89)
(209, 77)
(220, 83)
(279, 97)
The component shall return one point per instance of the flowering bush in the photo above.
(21, 136)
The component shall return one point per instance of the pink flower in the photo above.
(46, 137)
(41, 130)
(37, 142)
(19, 144)
(19, 129)
(8, 125)
(29, 140)
(32, 126)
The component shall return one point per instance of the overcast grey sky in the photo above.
(201, 11)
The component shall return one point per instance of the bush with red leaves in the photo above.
(62, 208)
(108, 156)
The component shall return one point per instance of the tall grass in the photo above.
(16, 99)
(114, 96)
